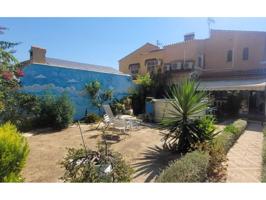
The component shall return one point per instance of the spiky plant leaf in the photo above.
(188, 105)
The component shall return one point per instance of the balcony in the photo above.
(180, 65)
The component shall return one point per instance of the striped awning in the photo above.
(226, 85)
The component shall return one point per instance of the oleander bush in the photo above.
(231, 133)
(190, 168)
(13, 153)
(263, 173)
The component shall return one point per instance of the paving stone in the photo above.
(244, 158)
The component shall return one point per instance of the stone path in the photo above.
(244, 158)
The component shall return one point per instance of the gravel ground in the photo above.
(141, 148)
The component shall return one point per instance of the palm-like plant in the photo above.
(188, 105)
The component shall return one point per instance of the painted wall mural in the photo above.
(42, 79)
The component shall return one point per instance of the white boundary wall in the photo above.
(161, 109)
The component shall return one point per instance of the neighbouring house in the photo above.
(55, 76)
(228, 61)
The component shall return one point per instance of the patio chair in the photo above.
(118, 124)
(130, 120)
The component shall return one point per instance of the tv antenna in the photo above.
(210, 21)
(158, 43)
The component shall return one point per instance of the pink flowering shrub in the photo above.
(19, 73)
(7, 75)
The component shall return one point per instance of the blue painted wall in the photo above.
(40, 79)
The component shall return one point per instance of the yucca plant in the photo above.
(188, 106)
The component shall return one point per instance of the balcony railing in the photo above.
(179, 66)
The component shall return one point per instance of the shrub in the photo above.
(188, 104)
(56, 112)
(207, 162)
(64, 111)
(92, 118)
(144, 85)
(13, 153)
(217, 166)
(190, 168)
(205, 128)
(21, 110)
(89, 166)
(263, 173)
(230, 134)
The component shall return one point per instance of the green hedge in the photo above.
(231, 133)
(263, 173)
(190, 168)
(194, 166)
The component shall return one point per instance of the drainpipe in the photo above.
(234, 49)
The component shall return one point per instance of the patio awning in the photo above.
(225, 85)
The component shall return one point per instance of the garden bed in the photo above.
(199, 166)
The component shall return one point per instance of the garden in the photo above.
(40, 141)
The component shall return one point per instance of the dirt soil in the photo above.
(141, 148)
(47, 149)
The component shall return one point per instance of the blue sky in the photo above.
(104, 41)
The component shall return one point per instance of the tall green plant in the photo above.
(56, 112)
(188, 105)
(98, 96)
(144, 84)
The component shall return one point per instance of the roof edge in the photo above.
(60, 66)
(137, 50)
(222, 30)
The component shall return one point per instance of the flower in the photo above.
(19, 73)
(7, 75)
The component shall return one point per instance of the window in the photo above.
(245, 53)
(199, 61)
(189, 65)
(177, 65)
(151, 65)
(167, 67)
(174, 66)
(229, 56)
(134, 68)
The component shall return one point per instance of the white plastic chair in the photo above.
(118, 124)
(128, 119)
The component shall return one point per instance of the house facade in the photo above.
(55, 76)
(226, 61)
